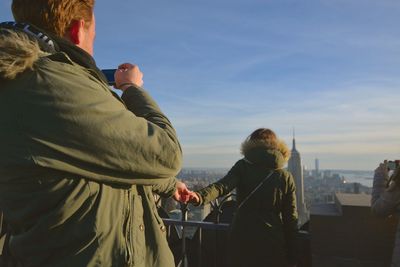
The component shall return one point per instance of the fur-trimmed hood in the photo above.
(21, 45)
(272, 154)
(18, 52)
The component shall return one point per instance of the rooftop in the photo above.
(359, 200)
(345, 233)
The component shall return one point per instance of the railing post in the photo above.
(217, 221)
(199, 246)
(184, 213)
(183, 223)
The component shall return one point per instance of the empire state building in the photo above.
(296, 169)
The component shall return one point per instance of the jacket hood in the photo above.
(18, 52)
(272, 154)
(22, 44)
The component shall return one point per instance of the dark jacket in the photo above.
(385, 201)
(78, 165)
(264, 228)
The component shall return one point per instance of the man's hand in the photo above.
(127, 75)
(182, 193)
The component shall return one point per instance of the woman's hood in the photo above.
(273, 155)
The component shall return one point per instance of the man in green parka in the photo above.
(78, 165)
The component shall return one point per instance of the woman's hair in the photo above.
(54, 16)
(263, 134)
(267, 138)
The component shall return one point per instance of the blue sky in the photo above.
(220, 69)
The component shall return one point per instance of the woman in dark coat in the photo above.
(265, 225)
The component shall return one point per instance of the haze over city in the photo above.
(220, 69)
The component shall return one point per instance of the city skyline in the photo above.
(219, 70)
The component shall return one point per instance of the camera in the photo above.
(393, 164)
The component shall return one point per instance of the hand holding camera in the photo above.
(128, 75)
(393, 170)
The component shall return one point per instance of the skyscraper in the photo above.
(296, 169)
(316, 168)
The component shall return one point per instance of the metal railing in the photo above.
(303, 237)
(184, 223)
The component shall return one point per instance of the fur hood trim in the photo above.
(18, 53)
(268, 145)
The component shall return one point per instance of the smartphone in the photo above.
(109, 73)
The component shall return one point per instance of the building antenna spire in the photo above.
(294, 139)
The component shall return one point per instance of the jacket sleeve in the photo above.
(165, 188)
(80, 128)
(290, 218)
(384, 200)
(221, 187)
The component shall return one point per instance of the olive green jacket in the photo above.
(78, 166)
(264, 228)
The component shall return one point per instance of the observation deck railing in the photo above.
(303, 239)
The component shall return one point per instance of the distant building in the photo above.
(295, 168)
(327, 173)
(317, 168)
(306, 172)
